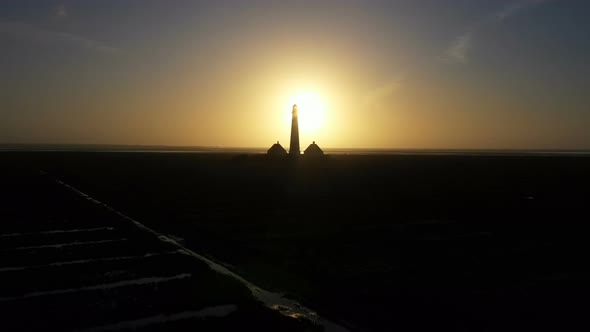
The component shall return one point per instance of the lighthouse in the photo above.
(294, 147)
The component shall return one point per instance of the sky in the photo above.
(427, 74)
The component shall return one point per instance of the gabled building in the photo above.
(313, 150)
(277, 150)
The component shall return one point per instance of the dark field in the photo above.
(396, 242)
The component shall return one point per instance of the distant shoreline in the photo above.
(255, 150)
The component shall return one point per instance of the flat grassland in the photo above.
(374, 242)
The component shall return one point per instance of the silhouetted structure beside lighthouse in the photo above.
(313, 150)
(277, 150)
(294, 149)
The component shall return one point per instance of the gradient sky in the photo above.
(391, 74)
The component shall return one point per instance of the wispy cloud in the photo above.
(458, 50)
(61, 11)
(514, 8)
(375, 97)
(38, 35)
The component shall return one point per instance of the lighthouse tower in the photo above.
(294, 147)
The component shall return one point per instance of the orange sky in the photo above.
(405, 74)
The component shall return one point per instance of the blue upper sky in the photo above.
(397, 74)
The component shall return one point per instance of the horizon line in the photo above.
(148, 147)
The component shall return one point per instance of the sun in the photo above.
(311, 110)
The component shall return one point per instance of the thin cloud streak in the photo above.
(38, 35)
(375, 97)
(458, 50)
(61, 12)
(515, 8)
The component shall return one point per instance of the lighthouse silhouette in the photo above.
(294, 147)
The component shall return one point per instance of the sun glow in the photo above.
(311, 111)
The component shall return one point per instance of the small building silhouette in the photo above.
(277, 150)
(313, 150)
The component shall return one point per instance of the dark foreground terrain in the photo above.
(397, 242)
(69, 263)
